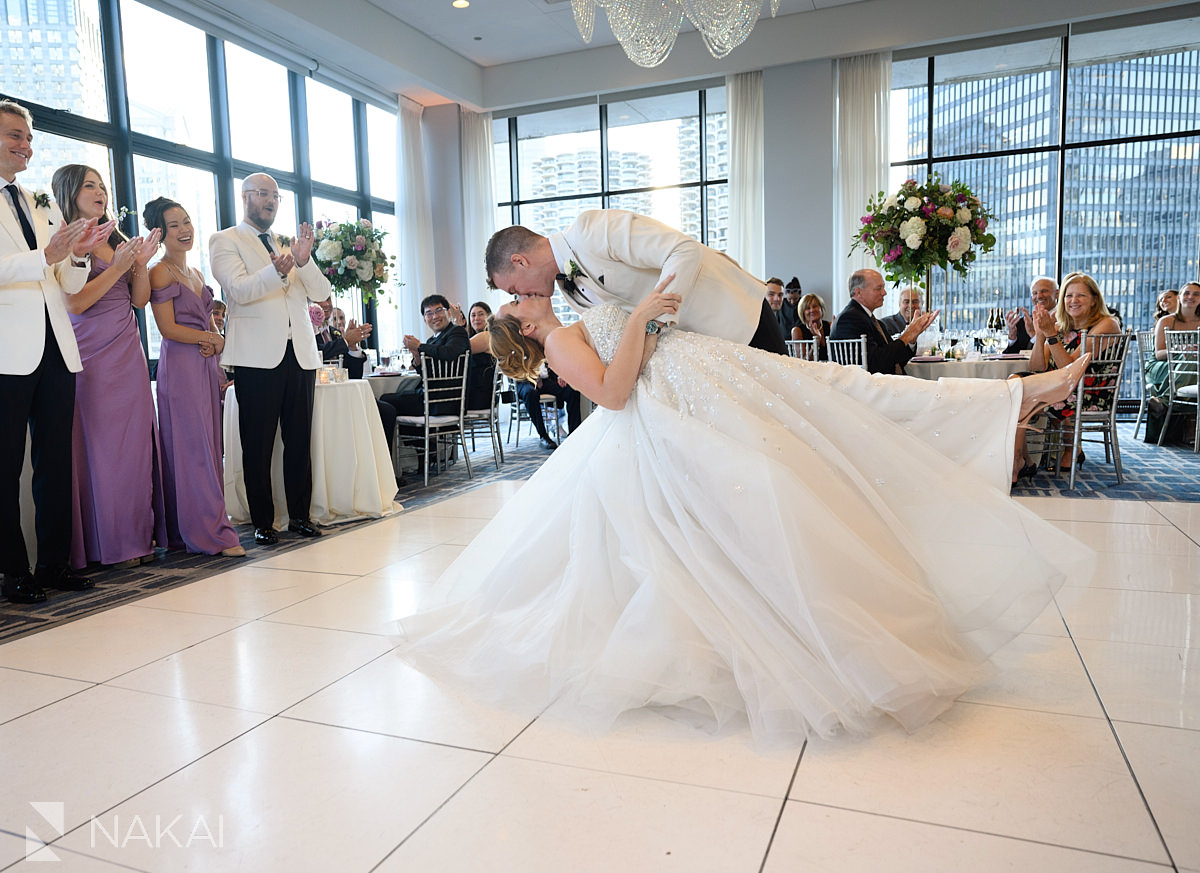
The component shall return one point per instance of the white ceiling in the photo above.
(491, 32)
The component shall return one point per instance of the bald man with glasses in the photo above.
(269, 343)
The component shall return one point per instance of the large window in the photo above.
(187, 137)
(665, 155)
(1100, 173)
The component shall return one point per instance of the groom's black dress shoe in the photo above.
(62, 579)
(548, 443)
(265, 536)
(303, 527)
(20, 588)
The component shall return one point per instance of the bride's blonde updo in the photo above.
(517, 356)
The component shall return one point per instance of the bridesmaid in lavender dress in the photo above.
(117, 499)
(189, 395)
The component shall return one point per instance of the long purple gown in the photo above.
(117, 486)
(189, 414)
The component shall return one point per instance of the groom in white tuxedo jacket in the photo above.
(41, 259)
(269, 342)
(614, 256)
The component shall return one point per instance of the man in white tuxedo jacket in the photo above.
(269, 343)
(614, 256)
(41, 257)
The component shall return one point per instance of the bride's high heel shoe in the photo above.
(1043, 389)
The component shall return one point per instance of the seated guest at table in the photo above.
(812, 324)
(483, 365)
(1056, 338)
(335, 340)
(1166, 304)
(791, 299)
(1043, 291)
(884, 354)
(189, 377)
(117, 482)
(447, 343)
(1158, 377)
(218, 316)
(775, 301)
(910, 306)
(529, 393)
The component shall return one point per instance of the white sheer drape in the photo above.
(746, 245)
(479, 200)
(864, 86)
(415, 256)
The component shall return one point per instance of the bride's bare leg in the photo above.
(1052, 386)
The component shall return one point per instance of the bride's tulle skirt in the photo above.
(753, 539)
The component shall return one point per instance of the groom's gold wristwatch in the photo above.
(653, 327)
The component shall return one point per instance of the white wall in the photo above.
(798, 142)
(441, 131)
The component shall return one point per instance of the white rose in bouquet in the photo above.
(963, 216)
(329, 250)
(912, 204)
(959, 243)
(364, 270)
(891, 202)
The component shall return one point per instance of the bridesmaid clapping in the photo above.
(189, 399)
(117, 490)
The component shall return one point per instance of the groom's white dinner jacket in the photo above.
(623, 255)
(262, 305)
(30, 288)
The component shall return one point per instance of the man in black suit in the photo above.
(447, 343)
(884, 354)
(1044, 291)
(779, 308)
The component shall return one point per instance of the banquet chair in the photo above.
(851, 352)
(517, 414)
(445, 382)
(488, 420)
(1095, 404)
(806, 350)
(1145, 351)
(1183, 362)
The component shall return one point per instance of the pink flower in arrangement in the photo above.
(316, 315)
(364, 223)
(360, 243)
(981, 223)
(350, 263)
(893, 254)
(927, 209)
(319, 225)
(866, 219)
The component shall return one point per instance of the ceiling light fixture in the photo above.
(461, 4)
(646, 29)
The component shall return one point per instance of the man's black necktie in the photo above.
(266, 241)
(26, 227)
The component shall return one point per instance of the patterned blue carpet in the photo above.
(1151, 473)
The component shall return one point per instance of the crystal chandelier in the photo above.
(646, 29)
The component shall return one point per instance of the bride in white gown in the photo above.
(741, 536)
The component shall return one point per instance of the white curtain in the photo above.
(744, 99)
(479, 201)
(415, 257)
(864, 87)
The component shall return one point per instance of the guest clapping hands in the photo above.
(118, 514)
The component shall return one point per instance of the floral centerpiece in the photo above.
(350, 254)
(925, 226)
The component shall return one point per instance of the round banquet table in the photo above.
(351, 469)
(966, 369)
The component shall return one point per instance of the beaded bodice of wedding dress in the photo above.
(752, 539)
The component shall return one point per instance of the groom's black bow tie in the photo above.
(569, 288)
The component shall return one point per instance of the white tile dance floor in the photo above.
(257, 721)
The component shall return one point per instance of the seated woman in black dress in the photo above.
(811, 311)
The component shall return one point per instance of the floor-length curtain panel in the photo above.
(415, 259)
(864, 86)
(479, 200)
(744, 99)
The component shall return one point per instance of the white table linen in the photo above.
(351, 469)
(392, 383)
(966, 369)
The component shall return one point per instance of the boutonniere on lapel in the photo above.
(567, 280)
(42, 199)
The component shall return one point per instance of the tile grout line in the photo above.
(782, 807)
(1117, 738)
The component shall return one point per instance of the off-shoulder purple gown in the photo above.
(189, 413)
(117, 487)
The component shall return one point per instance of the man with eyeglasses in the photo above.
(269, 343)
(447, 343)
